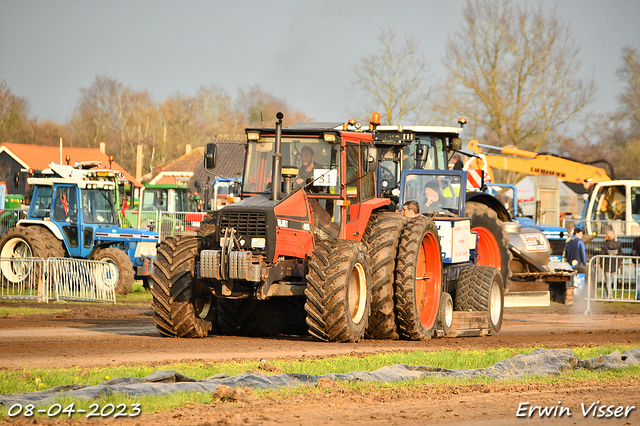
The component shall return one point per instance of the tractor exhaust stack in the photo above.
(276, 170)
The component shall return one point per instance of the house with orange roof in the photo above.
(15, 157)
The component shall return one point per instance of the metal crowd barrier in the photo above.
(23, 278)
(613, 279)
(179, 223)
(57, 279)
(82, 280)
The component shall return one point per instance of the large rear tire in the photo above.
(338, 294)
(122, 268)
(251, 317)
(183, 306)
(480, 289)
(418, 282)
(493, 241)
(382, 237)
(23, 242)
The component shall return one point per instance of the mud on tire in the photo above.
(338, 294)
(480, 288)
(382, 237)
(183, 307)
(418, 279)
(493, 244)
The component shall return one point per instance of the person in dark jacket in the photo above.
(635, 251)
(576, 253)
(610, 266)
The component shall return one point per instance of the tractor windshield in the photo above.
(97, 207)
(434, 193)
(312, 163)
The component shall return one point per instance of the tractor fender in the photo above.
(490, 201)
(47, 224)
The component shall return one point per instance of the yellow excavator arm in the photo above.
(533, 163)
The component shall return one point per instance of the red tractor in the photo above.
(318, 239)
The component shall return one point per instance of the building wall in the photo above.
(8, 169)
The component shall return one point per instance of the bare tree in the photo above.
(259, 106)
(393, 79)
(514, 70)
(14, 116)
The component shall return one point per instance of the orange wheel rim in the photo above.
(488, 249)
(428, 280)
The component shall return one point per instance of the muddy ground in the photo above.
(89, 336)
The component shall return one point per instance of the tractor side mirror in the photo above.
(421, 154)
(210, 157)
(370, 159)
(456, 144)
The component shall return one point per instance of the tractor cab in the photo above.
(299, 185)
(412, 148)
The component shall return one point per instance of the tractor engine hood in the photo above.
(268, 227)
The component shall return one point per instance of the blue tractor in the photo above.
(72, 214)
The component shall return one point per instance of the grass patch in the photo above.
(24, 311)
(137, 294)
(32, 379)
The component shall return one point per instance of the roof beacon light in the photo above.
(462, 121)
(375, 121)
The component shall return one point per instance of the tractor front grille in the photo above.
(246, 224)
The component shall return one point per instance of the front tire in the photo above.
(338, 295)
(418, 279)
(121, 267)
(382, 237)
(480, 289)
(183, 307)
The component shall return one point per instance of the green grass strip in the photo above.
(32, 379)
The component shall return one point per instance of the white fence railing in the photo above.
(57, 279)
(23, 278)
(169, 224)
(613, 279)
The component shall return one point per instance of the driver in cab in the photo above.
(307, 166)
(431, 201)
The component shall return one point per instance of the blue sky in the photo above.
(301, 51)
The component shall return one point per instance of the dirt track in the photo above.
(108, 335)
(98, 336)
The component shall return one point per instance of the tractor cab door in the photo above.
(360, 188)
(65, 216)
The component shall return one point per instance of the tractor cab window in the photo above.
(436, 155)
(434, 193)
(635, 203)
(97, 207)
(41, 204)
(65, 208)
(610, 203)
(155, 199)
(182, 200)
(311, 163)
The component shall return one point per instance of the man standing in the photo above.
(611, 247)
(576, 253)
(635, 251)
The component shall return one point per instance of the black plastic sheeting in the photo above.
(540, 362)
